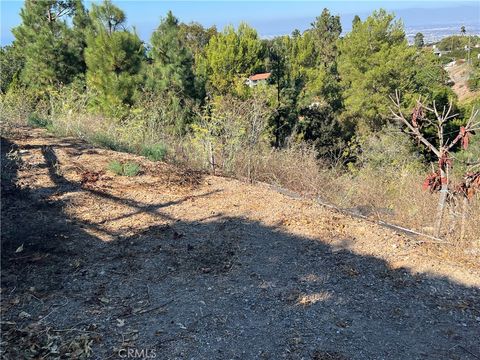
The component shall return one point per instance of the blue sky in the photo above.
(273, 17)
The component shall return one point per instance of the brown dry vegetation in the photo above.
(460, 73)
(386, 185)
(197, 266)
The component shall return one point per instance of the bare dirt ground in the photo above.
(177, 265)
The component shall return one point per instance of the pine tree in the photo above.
(114, 58)
(313, 62)
(374, 61)
(51, 59)
(107, 17)
(356, 20)
(196, 37)
(172, 62)
(326, 30)
(324, 83)
(82, 24)
(285, 114)
(419, 40)
(170, 74)
(321, 99)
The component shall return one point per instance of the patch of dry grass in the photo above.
(380, 194)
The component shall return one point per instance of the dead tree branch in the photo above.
(439, 180)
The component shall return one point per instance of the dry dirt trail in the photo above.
(176, 265)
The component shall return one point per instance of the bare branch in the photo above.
(469, 127)
(398, 115)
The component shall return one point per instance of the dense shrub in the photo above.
(16, 105)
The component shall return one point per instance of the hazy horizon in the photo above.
(434, 19)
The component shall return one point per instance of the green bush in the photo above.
(155, 152)
(389, 152)
(116, 167)
(36, 121)
(127, 169)
(131, 169)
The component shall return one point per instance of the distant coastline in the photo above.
(434, 33)
(431, 33)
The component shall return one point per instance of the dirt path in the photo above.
(176, 265)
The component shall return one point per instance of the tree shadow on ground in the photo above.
(223, 288)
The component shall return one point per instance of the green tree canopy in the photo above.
(171, 71)
(375, 61)
(231, 54)
(283, 119)
(11, 64)
(326, 30)
(107, 17)
(196, 37)
(113, 59)
(52, 56)
(419, 40)
(172, 61)
(323, 80)
(356, 20)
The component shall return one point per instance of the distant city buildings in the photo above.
(438, 52)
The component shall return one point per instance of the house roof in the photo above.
(262, 76)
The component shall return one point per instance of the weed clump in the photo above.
(155, 152)
(124, 169)
(38, 122)
(131, 169)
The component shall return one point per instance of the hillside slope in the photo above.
(192, 266)
(459, 73)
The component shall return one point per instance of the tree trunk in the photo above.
(464, 218)
(277, 130)
(441, 201)
(211, 157)
(452, 222)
